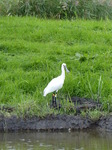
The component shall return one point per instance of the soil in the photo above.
(54, 123)
(58, 122)
(105, 123)
(84, 104)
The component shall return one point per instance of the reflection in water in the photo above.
(77, 140)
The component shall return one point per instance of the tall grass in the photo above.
(31, 54)
(60, 9)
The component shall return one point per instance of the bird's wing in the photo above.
(54, 84)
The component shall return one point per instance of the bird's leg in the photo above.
(53, 99)
(55, 103)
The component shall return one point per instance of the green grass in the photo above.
(32, 51)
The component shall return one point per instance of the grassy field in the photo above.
(32, 51)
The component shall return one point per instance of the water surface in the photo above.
(77, 140)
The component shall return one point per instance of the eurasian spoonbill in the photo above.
(55, 84)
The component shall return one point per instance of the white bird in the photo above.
(57, 83)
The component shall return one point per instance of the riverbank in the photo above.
(32, 51)
(54, 123)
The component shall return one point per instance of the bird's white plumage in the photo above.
(56, 83)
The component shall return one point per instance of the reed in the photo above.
(58, 9)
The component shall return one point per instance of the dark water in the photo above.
(77, 140)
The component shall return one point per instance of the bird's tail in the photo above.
(44, 93)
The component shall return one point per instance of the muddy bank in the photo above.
(59, 122)
(105, 123)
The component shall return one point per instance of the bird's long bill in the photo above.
(67, 70)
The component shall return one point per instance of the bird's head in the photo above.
(65, 67)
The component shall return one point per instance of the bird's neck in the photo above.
(63, 73)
